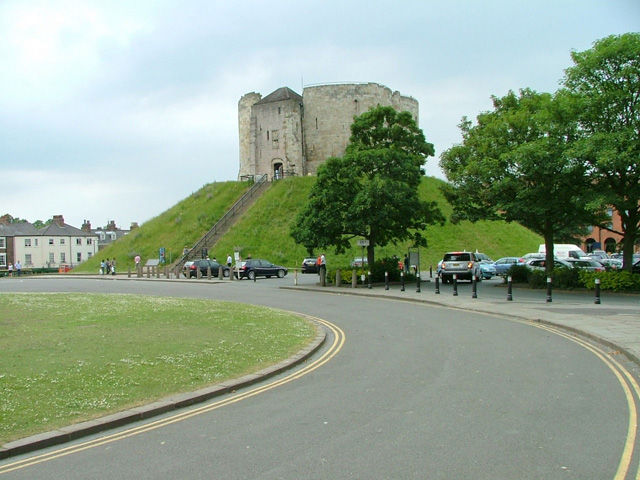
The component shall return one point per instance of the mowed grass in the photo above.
(67, 358)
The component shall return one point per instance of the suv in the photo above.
(465, 265)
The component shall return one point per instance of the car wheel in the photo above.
(225, 273)
(280, 273)
(251, 275)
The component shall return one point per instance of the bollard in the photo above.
(198, 273)
(455, 285)
(474, 287)
(549, 290)
(129, 272)
(369, 279)
(220, 272)
(437, 285)
(209, 272)
(254, 276)
(386, 280)
(430, 271)
(597, 299)
(509, 289)
(157, 270)
(417, 282)
(402, 281)
(338, 278)
(354, 279)
(323, 276)
(295, 277)
(148, 272)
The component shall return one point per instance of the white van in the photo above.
(564, 251)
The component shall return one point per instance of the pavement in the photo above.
(614, 322)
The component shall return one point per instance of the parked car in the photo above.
(190, 269)
(599, 254)
(587, 264)
(611, 263)
(487, 269)
(635, 268)
(504, 264)
(254, 268)
(359, 262)
(540, 263)
(465, 265)
(309, 265)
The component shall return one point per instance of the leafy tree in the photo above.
(515, 165)
(372, 191)
(606, 82)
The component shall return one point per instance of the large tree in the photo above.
(515, 165)
(372, 191)
(606, 82)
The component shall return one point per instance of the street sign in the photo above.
(363, 243)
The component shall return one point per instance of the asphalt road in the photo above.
(403, 391)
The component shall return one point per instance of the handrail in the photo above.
(223, 220)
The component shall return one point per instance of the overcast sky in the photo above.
(117, 110)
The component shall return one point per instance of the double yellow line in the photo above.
(332, 351)
(631, 391)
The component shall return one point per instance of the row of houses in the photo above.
(57, 245)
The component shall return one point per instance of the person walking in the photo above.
(10, 270)
(18, 267)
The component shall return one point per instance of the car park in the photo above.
(611, 263)
(310, 265)
(254, 268)
(464, 265)
(504, 264)
(190, 269)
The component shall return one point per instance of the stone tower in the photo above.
(287, 134)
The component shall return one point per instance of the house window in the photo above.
(51, 241)
(89, 254)
(62, 241)
(3, 260)
(27, 259)
(52, 258)
(36, 242)
(63, 257)
(79, 257)
(78, 241)
(27, 242)
(89, 241)
(3, 242)
(102, 236)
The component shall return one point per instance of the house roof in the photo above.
(17, 229)
(280, 95)
(55, 230)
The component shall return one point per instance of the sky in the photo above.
(117, 110)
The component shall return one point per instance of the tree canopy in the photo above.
(515, 165)
(605, 82)
(372, 191)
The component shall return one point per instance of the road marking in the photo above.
(337, 344)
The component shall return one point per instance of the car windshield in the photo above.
(457, 257)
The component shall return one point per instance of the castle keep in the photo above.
(287, 134)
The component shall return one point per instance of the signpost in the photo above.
(363, 243)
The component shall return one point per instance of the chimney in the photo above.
(86, 226)
(58, 220)
(134, 225)
(112, 226)
(4, 220)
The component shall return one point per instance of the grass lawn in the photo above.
(72, 357)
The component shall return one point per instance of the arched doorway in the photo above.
(610, 245)
(277, 170)
(591, 244)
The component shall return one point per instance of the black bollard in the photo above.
(597, 299)
(455, 285)
(430, 271)
(402, 281)
(369, 280)
(418, 282)
(509, 289)
(386, 280)
(437, 285)
(474, 287)
(549, 290)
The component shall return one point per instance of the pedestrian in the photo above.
(18, 267)
(323, 265)
(229, 260)
(102, 267)
(10, 270)
(113, 266)
(406, 264)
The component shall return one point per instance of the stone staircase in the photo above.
(223, 225)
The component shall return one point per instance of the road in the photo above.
(404, 390)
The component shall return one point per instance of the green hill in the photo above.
(263, 231)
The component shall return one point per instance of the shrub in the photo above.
(519, 274)
(615, 280)
(563, 278)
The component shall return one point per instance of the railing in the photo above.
(259, 181)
